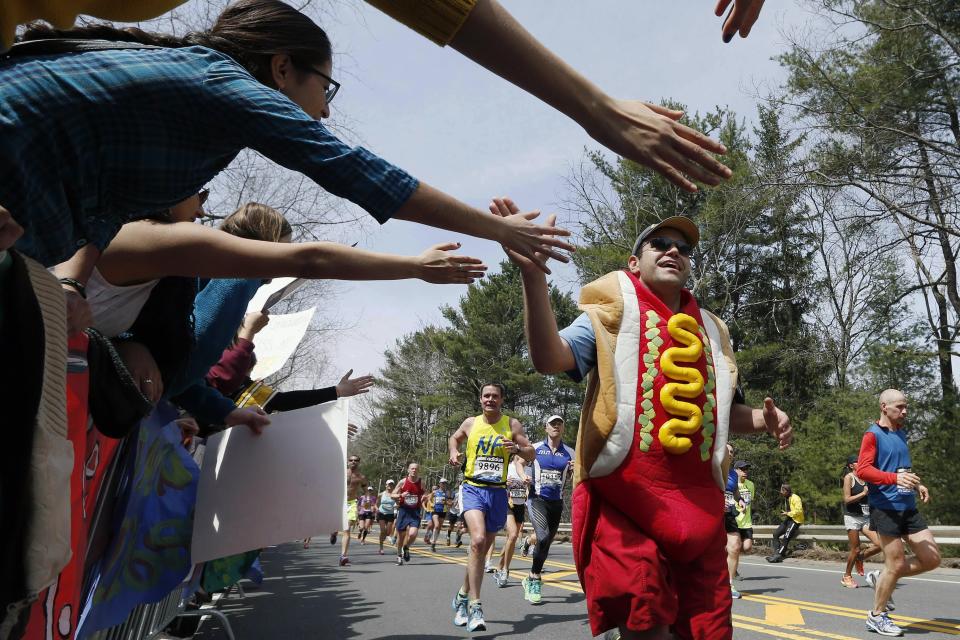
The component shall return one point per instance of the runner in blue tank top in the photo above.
(553, 462)
(884, 463)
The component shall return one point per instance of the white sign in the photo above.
(277, 341)
(286, 484)
(273, 292)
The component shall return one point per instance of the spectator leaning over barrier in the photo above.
(260, 78)
(125, 296)
(884, 463)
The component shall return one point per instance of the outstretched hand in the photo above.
(353, 386)
(651, 135)
(439, 266)
(741, 18)
(777, 423)
(254, 417)
(505, 208)
(534, 243)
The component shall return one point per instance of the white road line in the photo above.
(783, 565)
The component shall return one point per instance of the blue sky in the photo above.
(458, 127)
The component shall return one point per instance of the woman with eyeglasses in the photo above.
(92, 136)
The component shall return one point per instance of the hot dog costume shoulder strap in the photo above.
(606, 420)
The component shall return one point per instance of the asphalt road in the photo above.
(306, 596)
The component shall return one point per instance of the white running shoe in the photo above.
(488, 568)
(500, 577)
(883, 625)
(460, 615)
(475, 621)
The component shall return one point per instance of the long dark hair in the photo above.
(249, 31)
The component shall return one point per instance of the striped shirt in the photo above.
(90, 140)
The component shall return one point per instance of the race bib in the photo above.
(411, 500)
(439, 501)
(865, 508)
(489, 468)
(746, 497)
(728, 499)
(551, 477)
(518, 494)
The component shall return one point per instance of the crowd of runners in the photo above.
(507, 480)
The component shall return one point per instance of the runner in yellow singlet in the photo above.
(491, 439)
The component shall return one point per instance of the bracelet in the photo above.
(76, 285)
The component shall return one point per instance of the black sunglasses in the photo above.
(663, 244)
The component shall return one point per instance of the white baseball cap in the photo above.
(443, 480)
(391, 482)
(553, 418)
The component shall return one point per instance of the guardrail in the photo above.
(943, 534)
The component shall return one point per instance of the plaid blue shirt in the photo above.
(91, 140)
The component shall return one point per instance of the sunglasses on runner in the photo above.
(663, 245)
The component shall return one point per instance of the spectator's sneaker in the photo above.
(872, 578)
(500, 577)
(488, 568)
(406, 554)
(460, 609)
(531, 589)
(475, 621)
(849, 582)
(525, 548)
(883, 625)
(775, 558)
(333, 538)
(344, 561)
(734, 593)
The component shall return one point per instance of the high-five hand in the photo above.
(777, 423)
(439, 266)
(741, 18)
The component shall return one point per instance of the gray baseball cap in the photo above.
(682, 224)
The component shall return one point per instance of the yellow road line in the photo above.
(774, 631)
(783, 614)
(820, 634)
(903, 621)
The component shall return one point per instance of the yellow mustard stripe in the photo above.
(903, 621)
(683, 329)
(438, 20)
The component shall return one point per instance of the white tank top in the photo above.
(115, 308)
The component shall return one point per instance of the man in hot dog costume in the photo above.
(661, 399)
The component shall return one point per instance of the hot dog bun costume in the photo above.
(648, 500)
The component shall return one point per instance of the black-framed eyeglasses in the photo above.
(332, 89)
(660, 243)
